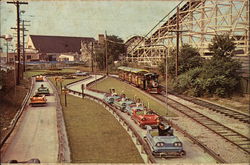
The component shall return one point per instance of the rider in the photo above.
(161, 129)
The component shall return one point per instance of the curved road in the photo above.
(194, 153)
(35, 135)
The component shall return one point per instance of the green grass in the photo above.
(65, 81)
(130, 92)
(95, 136)
(31, 73)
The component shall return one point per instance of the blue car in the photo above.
(164, 146)
(133, 107)
(108, 98)
(122, 103)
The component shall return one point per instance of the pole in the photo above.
(18, 43)
(106, 52)
(65, 98)
(17, 3)
(92, 60)
(23, 49)
(177, 42)
(7, 52)
(166, 81)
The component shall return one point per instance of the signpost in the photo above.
(83, 87)
(65, 91)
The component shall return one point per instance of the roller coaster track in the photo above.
(201, 20)
(230, 135)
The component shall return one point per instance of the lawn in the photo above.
(31, 73)
(130, 92)
(95, 136)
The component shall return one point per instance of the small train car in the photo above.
(141, 78)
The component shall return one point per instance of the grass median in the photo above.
(131, 92)
(95, 136)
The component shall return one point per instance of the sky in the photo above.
(86, 18)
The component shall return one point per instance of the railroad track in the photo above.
(230, 135)
(216, 108)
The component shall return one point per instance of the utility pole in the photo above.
(92, 60)
(106, 52)
(17, 3)
(177, 39)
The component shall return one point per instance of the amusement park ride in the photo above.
(194, 22)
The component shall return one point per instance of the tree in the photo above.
(115, 50)
(222, 46)
(218, 75)
(189, 58)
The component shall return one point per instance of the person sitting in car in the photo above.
(41, 87)
(162, 131)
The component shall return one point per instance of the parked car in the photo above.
(163, 146)
(109, 98)
(38, 100)
(122, 103)
(80, 73)
(143, 119)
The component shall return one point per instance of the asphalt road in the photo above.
(194, 153)
(35, 135)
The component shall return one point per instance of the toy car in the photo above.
(43, 90)
(133, 107)
(163, 146)
(39, 78)
(38, 100)
(122, 103)
(79, 73)
(144, 119)
(109, 98)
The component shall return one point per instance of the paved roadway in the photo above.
(194, 153)
(35, 135)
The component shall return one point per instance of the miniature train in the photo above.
(141, 78)
(161, 145)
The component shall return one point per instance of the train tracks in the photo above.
(223, 131)
(216, 108)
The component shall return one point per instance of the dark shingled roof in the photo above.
(58, 44)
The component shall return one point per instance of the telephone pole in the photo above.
(18, 3)
(106, 52)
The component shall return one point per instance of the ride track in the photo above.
(140, 139)
(219, 129)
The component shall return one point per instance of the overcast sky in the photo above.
(87, 18)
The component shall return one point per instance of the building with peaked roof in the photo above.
(50, 48)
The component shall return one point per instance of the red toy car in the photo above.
(144, 119)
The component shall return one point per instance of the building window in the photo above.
(29, 57)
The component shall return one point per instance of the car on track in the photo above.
(38, 100)
(43, 90)
(164, 146)
(122, 103)
(39, 78)
(133, 107)
(142, 118)
(109, 98)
